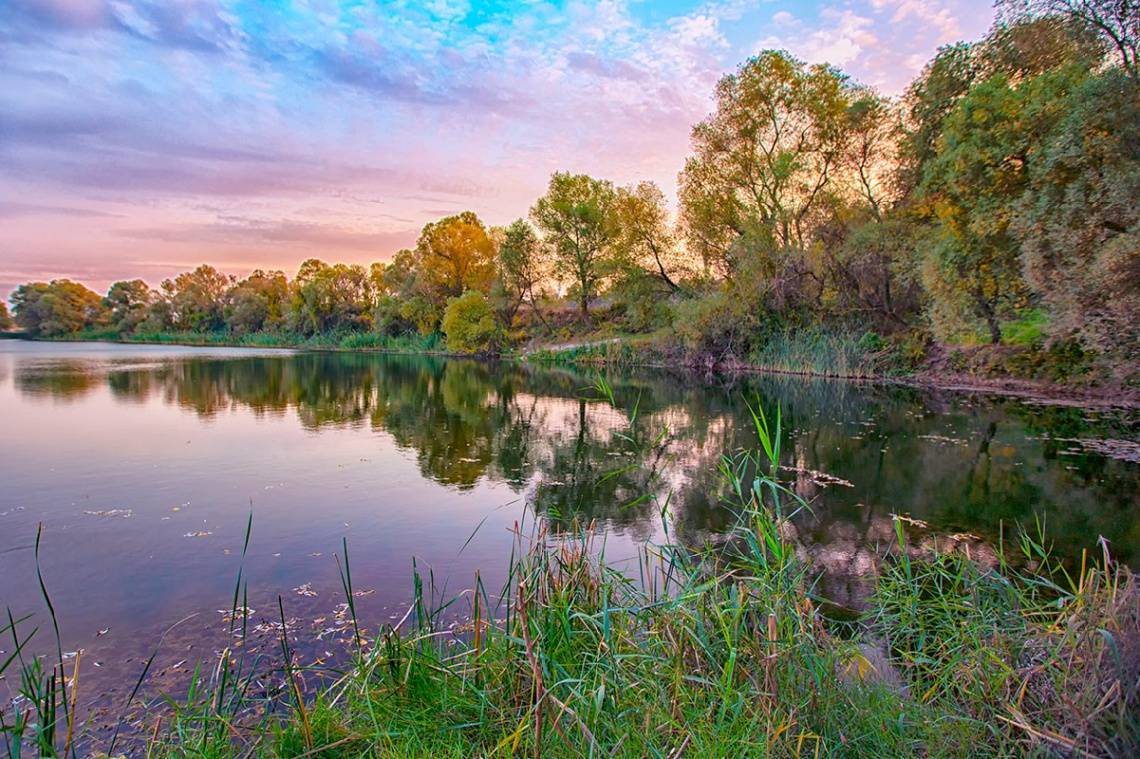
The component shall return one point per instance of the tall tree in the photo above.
(575, 217)
(1080, 217)
(971, 266)
(197, 298)
(1117, 22)
(978, 173)
(927, 102)
(6, 322)
(57, 308)
(128, 303)
(456, 255)
(258, 303)
(522, 265)
(331, 298)
(643, 237)
(762, 163)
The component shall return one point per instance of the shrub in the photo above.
(469, 325)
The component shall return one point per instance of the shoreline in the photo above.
(1042, 392)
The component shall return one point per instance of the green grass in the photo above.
(1030, 329)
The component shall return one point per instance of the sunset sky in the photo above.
(139, 138)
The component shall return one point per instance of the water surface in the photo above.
(144, 463)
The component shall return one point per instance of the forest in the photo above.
(988, 213)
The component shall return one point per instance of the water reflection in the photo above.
(960, 462)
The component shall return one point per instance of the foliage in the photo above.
(523, 263)
(1080, 220)
(1116, 22)
(258, 303)
(128, 303)
(871, 270)
(971, 266)
(455, 255)
(643, 240)
(469, 325)
(642, 300)
(6, 322)
(331, 298)
(196, 299)
(575, 215)
(763, 163)
(57, 308)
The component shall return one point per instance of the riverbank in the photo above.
(970, 369)
(725, 655)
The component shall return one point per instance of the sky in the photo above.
(140, 138)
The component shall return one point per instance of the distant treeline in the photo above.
(996, 200)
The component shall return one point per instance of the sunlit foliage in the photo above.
(57, 308)
(575, 216)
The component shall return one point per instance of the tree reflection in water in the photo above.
(963, 463)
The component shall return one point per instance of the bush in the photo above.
(643, 301)
(469, 325)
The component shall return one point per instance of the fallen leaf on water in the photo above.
(361, 593)
(305, 590)
(109, 513)
(198, 534)
(104, 631)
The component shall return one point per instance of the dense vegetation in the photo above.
(993, 202)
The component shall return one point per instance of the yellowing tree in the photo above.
(643, 237)
(762, 164)
(456, 255)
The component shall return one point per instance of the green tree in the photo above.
(971, 264)
(865, 246)
(469, 325)
(575, 217)
(331, 298)
(522, 266)
(57, 308)
(1080, 219)
(128, 302)
(1116, 22)
(972, 184)
(400, 304)
(927, 102)
(762, 164)
(643, 237)
(197, 299)
(258, 303)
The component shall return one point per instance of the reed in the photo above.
(817, 352)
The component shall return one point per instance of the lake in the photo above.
(144, 464)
